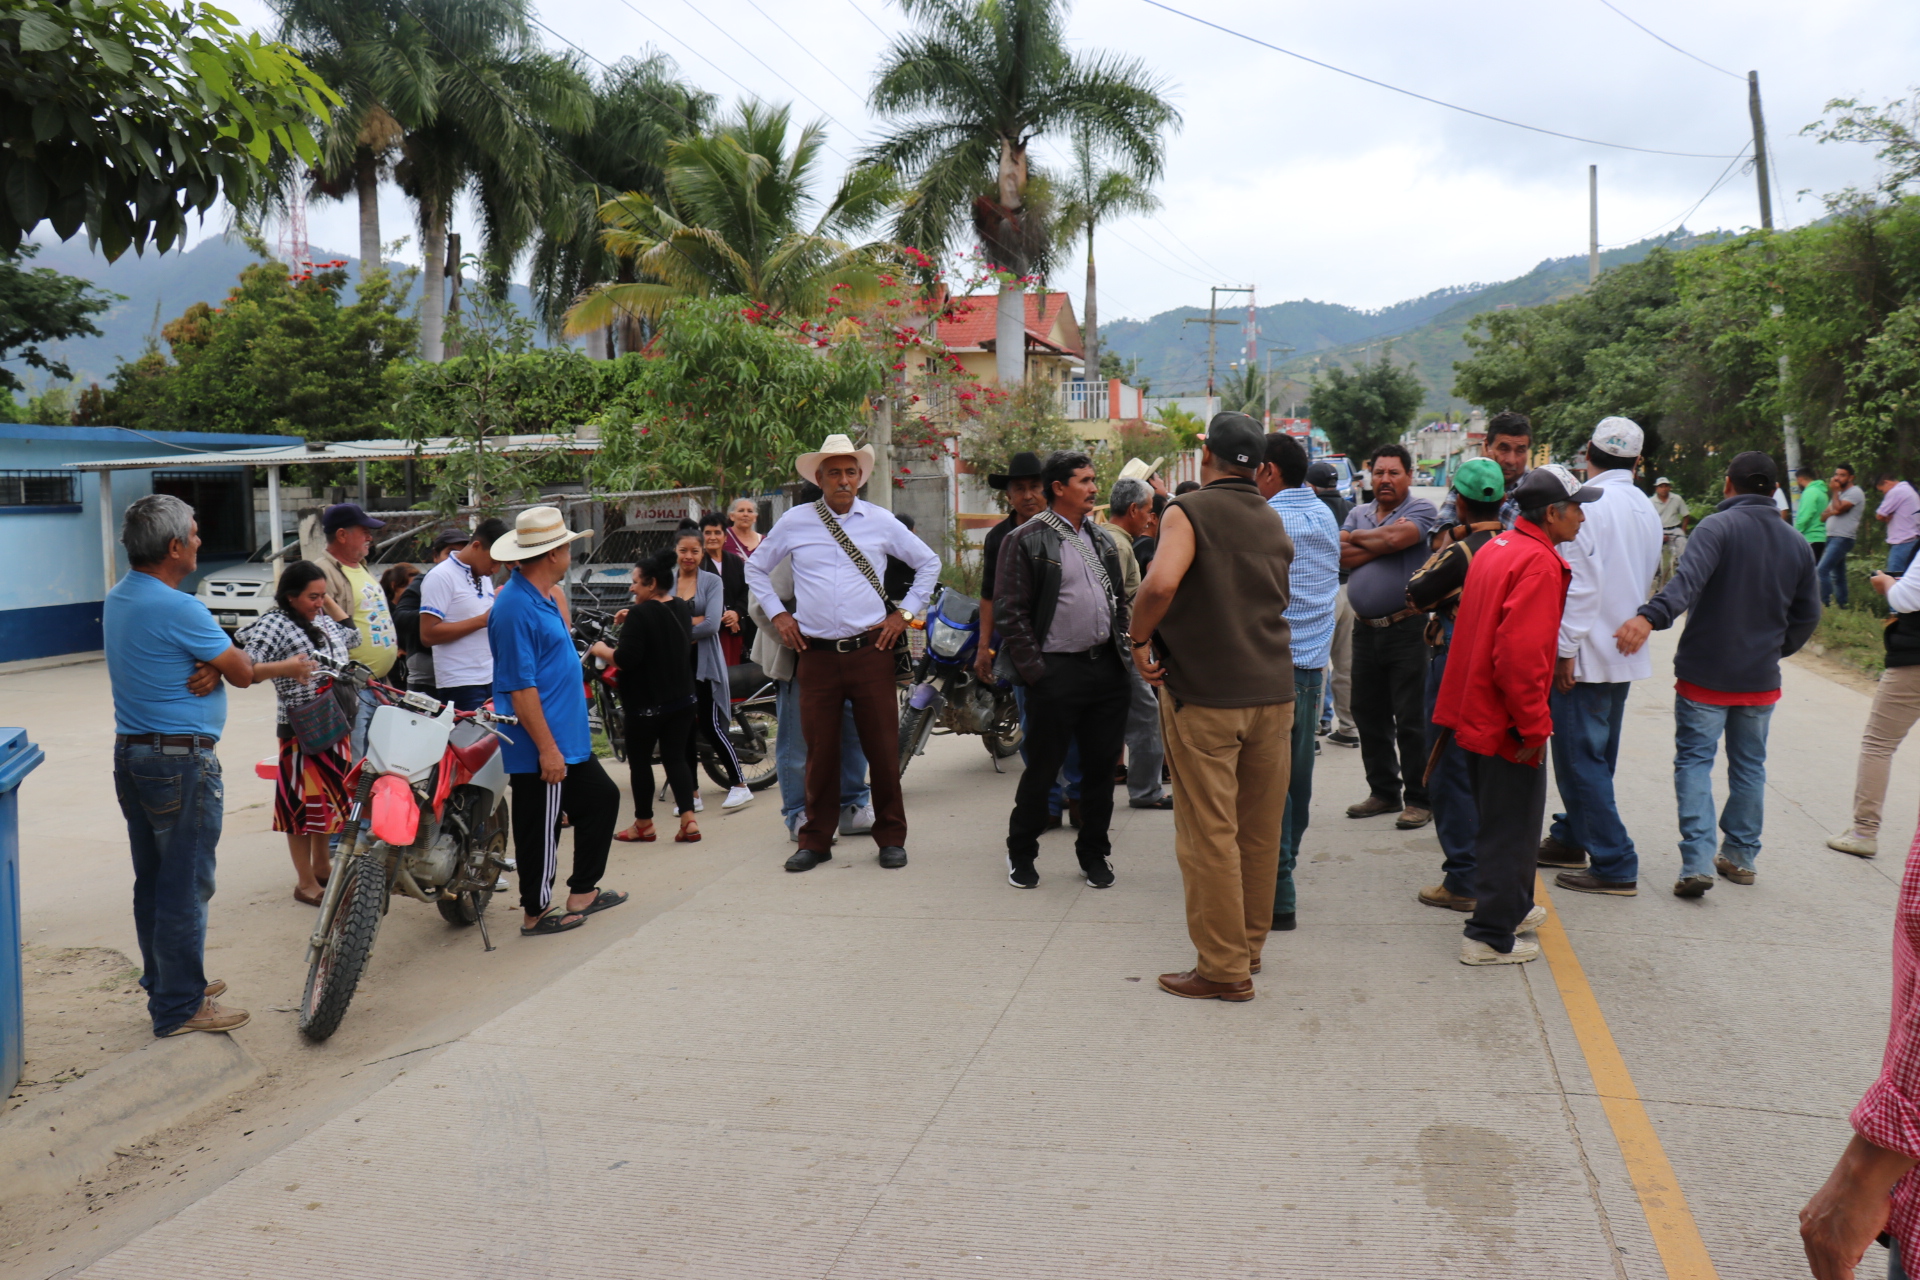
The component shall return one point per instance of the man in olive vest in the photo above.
(1206, 625)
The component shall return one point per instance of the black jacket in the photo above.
(733, 580)
(1027, 587)
(1746, 584)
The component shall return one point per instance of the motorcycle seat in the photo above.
(745, 680)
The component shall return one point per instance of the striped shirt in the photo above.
(1314, 579)
(277, 637)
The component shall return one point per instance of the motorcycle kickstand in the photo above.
(485, 938)
(993, 756)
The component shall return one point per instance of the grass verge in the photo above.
(1852, 636)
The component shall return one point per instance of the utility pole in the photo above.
(1593, 224)
(1759, 149)
(1266, 387)
(1790, 433)
(1213, 322)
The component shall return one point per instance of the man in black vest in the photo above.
(1062, 617)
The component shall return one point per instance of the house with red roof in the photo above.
(1054, 343)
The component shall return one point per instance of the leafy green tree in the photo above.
(1185, 428)
(1127, 370)
(1367, 407)
(124, 117)
(1893, 128)
(640, 108)
(968, 89)
(1092, 193)
(283, 355)
(727, 399)
(1025, 419)
(38, 304)
(735, 222)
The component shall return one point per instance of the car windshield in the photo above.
(291, 551)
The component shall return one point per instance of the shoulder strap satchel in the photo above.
(1057, 522)
(853, 552)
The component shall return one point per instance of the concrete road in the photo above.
(858, 1072)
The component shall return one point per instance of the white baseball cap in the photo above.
(1618, 438)
(1663, 481)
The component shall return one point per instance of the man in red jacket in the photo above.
(1493, 697)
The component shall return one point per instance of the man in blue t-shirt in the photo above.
(549, 758)
(166, 658)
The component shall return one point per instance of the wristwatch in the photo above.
(906, 615)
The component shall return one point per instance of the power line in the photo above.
(763, 62)
(810, 53)
(1451, 106)
(1717, 184)
(870, 22)
(1671, 45)
(1192, 253)
(1167, 266)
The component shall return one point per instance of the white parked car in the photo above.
(237, 594)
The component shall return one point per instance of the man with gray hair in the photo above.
(1130, 510)
(166, 658)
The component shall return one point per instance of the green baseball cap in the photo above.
(1480, 480)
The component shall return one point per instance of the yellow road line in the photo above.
(1675, 1233)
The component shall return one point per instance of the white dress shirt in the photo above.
(832, 598)
(1904, 595)
(1614, 558)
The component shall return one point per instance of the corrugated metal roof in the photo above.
(342, 451)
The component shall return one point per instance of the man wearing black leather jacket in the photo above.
(1062, 615)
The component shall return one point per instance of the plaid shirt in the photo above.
(1889, 1115)
(277, 637)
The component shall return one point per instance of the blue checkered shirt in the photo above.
(1314, 580)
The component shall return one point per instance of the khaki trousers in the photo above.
(1896, 705)
(1340, 665)
(1230, 769)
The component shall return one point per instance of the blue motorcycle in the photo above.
(946, 696)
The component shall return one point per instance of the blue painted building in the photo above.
(52, 578)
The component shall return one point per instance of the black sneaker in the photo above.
(1098, 874)
(1021, 874)
(1283, 921)
(1342, 739)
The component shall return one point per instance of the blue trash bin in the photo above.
(18, 758)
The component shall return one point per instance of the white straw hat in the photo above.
(837, 445)
(536, 531)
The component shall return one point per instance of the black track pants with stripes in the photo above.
(588, 797)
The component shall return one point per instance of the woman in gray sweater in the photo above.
(702, 591)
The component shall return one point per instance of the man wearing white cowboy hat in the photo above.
(843, 626)
(549, 756)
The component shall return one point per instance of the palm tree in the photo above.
(969, 89)
(1092, 195)
(640, 108)
(738, 220)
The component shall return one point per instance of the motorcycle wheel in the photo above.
(336, 970)
(753, 734)
(916, 725)
(1006, 738)
(467, 908)
(613, 722)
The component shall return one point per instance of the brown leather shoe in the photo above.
(1587, 882)
(218, 987)
(212, 1017)
(1194, 987)
(1555, 854)
(1372, 807)
(1412, 817)
(1441, 896)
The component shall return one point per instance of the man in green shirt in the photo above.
(1809, 515)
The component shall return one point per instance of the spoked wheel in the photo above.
(754, 733)
(491, 850)
(342, 957)
(613, 721)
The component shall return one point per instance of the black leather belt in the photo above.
(197, 741)
(848, 645)
(1392, 618)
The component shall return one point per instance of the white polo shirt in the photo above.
(453, 593)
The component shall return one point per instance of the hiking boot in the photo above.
(1692, 886)
(1441, 896)
(1413, 816)
(1372, 807)
(1587, 882)
(1555, 854)
(1854, 843)
(1473, 951)
(1733, 872)
(212, 1017)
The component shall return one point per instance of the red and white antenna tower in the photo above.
(294, 250)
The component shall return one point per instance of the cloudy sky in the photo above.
(1306, 183)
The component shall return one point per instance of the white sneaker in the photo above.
(737, 798)
(1535, 918)
(1853, 842)
(856, 820)
(1473, 951)
(699, 805)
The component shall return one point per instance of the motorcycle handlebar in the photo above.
(362, 677)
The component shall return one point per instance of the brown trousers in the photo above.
(1231, 767)
(866, 679)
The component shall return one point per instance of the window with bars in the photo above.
(39, 489)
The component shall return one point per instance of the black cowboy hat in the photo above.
(1023, 466)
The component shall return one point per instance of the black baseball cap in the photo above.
(1552, 483)
(1321, 475)
(1751, 466)
(344, 515)
(1237, 439)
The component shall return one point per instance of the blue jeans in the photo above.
(173, 799)
(790, 755)
(361, 719)
(1697, 729)
(1307, 682)
(1586, 748)
(1456, 818)
(1894, 1270)
(1900, 556)
(1833, 571)
(465, 697)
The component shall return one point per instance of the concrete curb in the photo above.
(58, 660)
(60, 1138)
